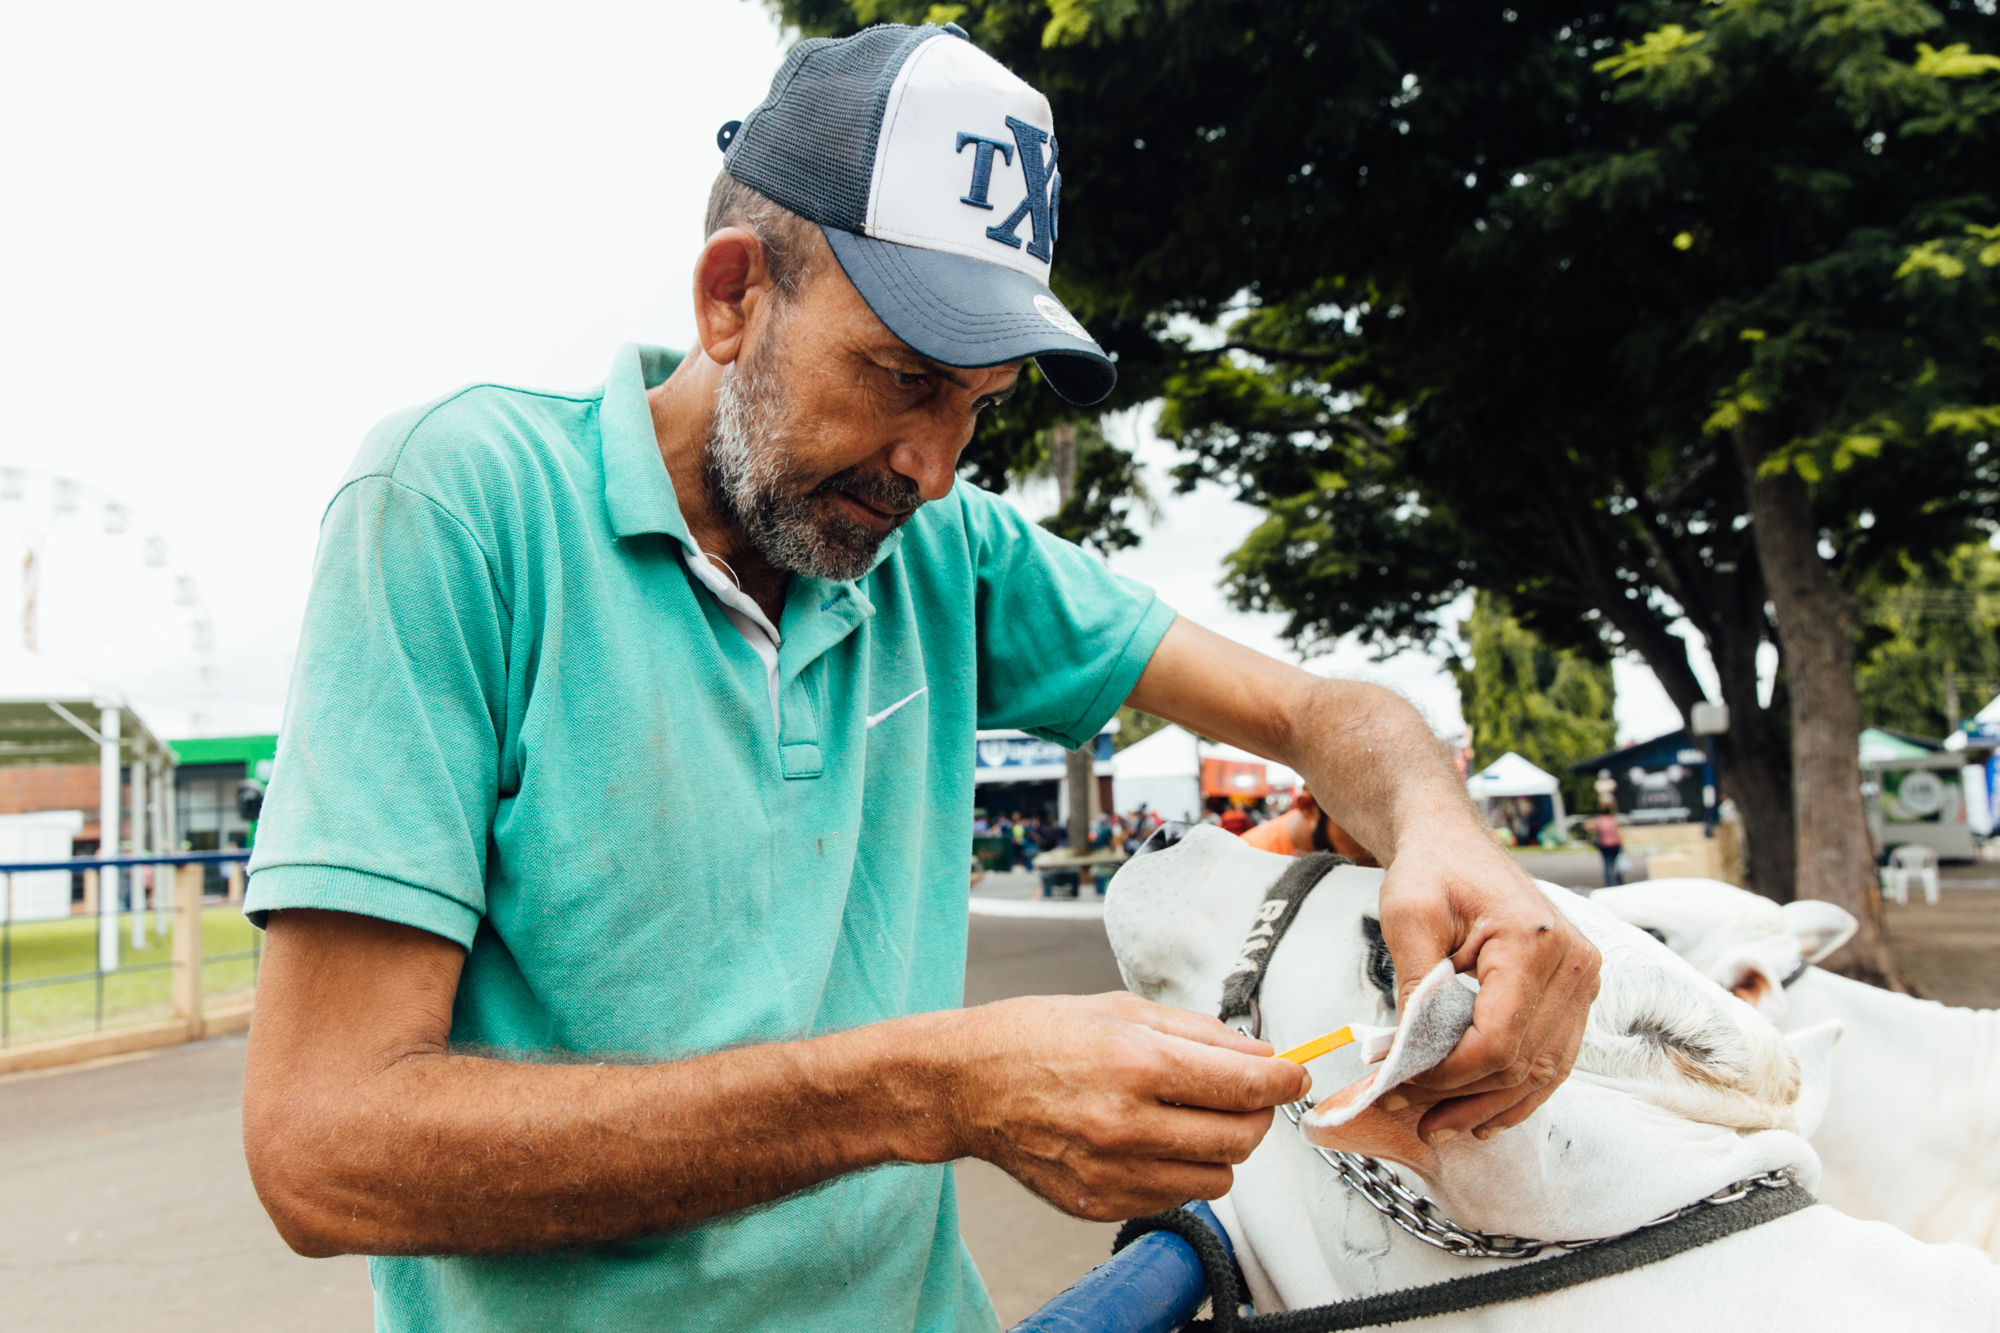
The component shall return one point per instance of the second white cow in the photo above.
(1911, 1134)
(1679, 1091)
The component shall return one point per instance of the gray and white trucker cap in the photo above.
(932, 170)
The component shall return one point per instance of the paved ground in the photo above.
(124, 1202)
(1953, 949)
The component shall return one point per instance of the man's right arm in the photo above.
(367, 1134)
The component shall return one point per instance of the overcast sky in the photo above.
(236, 235)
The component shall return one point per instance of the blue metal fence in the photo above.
(100, 974)
(1153, 1285)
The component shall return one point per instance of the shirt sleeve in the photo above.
(382, 796)
(1062, 640)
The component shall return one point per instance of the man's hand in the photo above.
(1112, 1107)
(1463, 897)
(1379, 773)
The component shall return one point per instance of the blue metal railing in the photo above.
(1153, 1285)
(100, 974)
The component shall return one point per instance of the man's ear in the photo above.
(1820, 928)
(732, 281)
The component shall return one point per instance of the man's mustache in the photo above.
(891, 491)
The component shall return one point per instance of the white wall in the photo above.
(39, 895)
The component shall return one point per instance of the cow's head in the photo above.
(1746, 942)
(1667, 1058)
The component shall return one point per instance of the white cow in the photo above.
(1680, 1090)
(1912, 1128)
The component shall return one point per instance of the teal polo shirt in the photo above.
(518, 721)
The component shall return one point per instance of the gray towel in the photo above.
(1434, 1017)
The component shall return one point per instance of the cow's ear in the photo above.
(1758, 980)
(1814, 1048)
(1819, 927)
(1374, 1132)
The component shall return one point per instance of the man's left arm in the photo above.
(1450, 890)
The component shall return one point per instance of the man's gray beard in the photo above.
(751, 482)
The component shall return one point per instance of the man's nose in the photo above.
(930, 459)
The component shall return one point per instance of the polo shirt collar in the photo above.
(638, 493)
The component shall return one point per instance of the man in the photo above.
(566, 1053)
(1306, 828)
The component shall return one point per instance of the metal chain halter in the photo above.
(1419, 1215)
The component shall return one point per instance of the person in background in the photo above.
(1305, 828)
(1610, 846)
(1235, 820)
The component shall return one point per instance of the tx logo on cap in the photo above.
(1044, 183)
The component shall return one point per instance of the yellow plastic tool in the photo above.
(1375, 1043)
(1319, 1046)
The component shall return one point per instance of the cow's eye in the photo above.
(1659, 935)
(1381, 967)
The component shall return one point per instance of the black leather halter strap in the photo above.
(1516, 1282)
(1281, 904)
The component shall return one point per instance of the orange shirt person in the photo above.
(1305, 828)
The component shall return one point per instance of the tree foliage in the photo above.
(1934, 634)
(1552, 706)
(1537, 298)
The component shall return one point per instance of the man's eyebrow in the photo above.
(953, 374)
(957, 377)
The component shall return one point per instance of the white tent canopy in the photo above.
(1163, 772)
(1170, 752)
(50, 716)
(1511, 775)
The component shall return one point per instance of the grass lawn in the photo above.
(39, 950)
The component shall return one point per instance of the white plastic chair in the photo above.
(1911, 863)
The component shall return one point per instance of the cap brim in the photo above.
(965, 312)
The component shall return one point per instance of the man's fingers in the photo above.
(1203, 1028)
(1513, 1019)
(1488, 1113)
(1115, 1196)
(1196, 1075)
(1180, 1133)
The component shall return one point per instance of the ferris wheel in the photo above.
(99, 590)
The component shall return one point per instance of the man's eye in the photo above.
(907, 380)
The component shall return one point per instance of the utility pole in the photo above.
(1950, 696)
(1080, 768)
(30, 587)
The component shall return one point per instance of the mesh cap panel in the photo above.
(810, 145)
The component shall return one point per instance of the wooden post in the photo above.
(90, 893)
(187, 947)
(235, 883)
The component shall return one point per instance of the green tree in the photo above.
(1933, 656)
(1552, 706)
(1134, 726)
(1662, 310)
